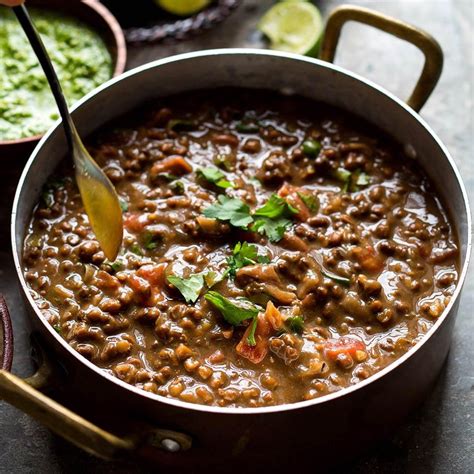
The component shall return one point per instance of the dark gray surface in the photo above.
(439, 437)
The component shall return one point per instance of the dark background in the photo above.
(439, 436)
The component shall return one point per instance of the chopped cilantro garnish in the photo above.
(251, 337)
(244, 254)
(311, 148)
(57, 328)
(275, 207)
(234, 311)
(344, 176)
(274, 229)
(190, 287)
(310, 201)
(123, 205)
(295, 324)
(223, 161)
(338, 279)
(47, 195)
(228, 209)
(150, 241)
(359, 179)
(181, 125)
(168, 176)
(135, 248)
(215, 176)
(177, 186)
(116, 266)
(245, 127)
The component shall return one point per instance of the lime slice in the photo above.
(293, 26)
(183, 7)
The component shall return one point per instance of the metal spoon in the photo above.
(97, 192)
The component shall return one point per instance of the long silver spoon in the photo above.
(97, 192)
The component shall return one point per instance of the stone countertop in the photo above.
(439, 436)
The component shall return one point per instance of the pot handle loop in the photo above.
(426, 43)
(61, 420)
(23, 395)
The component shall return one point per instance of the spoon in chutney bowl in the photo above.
(97, 192)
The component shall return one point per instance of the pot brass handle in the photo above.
(425, 42)
(64, 422)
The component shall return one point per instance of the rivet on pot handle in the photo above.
(65, 422)
(426, 43)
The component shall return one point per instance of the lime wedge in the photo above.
(183, 7)
(293, 26)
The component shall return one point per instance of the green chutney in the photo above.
(80, 58)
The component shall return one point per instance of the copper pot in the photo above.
(180, 434)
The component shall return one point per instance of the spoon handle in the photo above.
(38, 47)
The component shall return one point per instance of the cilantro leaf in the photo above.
(181, 125)
(247, 127)
(338, 279)
(251, 337)
(310, 201)
(135, 248)
(244, 254)
(228, 209)
(233, 311)
(150, 241)
(275, 207)
(295, 324)
(47, 194)
(311, 148)
(344, 176)
(123, 205)
(190, 287)
(215, 176)
(360, 179)
(274, 229)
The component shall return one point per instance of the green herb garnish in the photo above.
(245, 127)
(311, 148)
(57, 328)
(228, 209)
(295, 324)
(190, 287)
(223, 161)
(135, 248)
(344, 176)
(338, 279)
(150, 241)
(181, 125)
(123, 205)
(235, 311)
(310, 201)
(275, 207)
(274, 229)
(177, 186)
(215, 176)
(251, 337)
(47, 194)
(244, 254)
(116, 266)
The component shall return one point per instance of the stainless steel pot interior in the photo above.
(287, 73)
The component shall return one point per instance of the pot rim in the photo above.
(227, 410)
(120, 55)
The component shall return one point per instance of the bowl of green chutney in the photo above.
(87, 47)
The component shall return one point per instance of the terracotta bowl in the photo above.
(94, 14)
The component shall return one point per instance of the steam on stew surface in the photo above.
(275, 250)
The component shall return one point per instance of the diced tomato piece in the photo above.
(368, 259)
(135, 222)
(154, 274)
(106, 281)
(141, 287)
(344, 345)
(291, 196)
(174, 164)
(267, 324)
